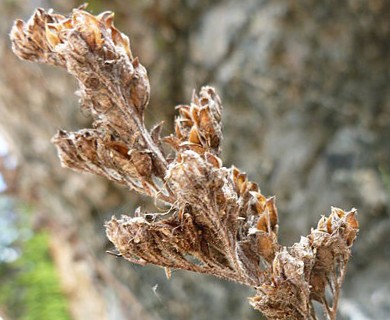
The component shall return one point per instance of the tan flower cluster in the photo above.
(199, 126)
(217, 221)
(303, 272)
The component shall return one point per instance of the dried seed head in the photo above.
(219, 222)
(200, 123)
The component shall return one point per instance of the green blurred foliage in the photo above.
(30, 287)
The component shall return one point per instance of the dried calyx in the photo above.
(218, 221)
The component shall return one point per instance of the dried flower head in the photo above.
(218, 221)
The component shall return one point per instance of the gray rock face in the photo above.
(306, 114)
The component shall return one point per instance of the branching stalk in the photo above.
(219, 222)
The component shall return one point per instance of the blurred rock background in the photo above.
(305, 86)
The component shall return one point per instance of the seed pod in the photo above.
(213, 160)
(272, 212)
(241, 183)
(321, 226)
(195, 113)
(184, 111)
(206, 126)
(52, 36)
(89, 27)
(262, 223)
(193, 136)
(259, 202)
(351, 219)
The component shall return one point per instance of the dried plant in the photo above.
(218, 221)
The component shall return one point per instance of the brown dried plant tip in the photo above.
(219, 222)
